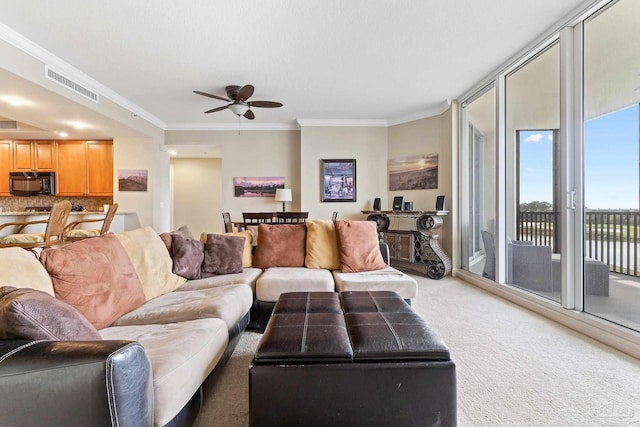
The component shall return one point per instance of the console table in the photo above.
(418, 250)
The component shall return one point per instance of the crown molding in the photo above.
(47, 58)
(342, 123)
(431, 112)
(244, 126)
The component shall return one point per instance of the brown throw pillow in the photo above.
(223, 254)
(167, 238)
(35, 315)
(188, 255)
(280, 246)
(359, 246)
(96, 277)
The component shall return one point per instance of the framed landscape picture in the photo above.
(257, 186)
(132, 179)
(339, 180)
(413, 172)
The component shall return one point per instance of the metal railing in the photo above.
(611, 236)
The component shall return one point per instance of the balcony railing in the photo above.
(611, 236)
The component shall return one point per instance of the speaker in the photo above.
(440, 203)
(408, 206)
(376, 204)
(397, 203)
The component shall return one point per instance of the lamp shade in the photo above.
(283, 195)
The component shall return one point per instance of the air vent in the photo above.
(8, 124)
(76, 87)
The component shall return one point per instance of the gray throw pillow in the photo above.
(187, 256)
(223, 254)
(30, 314)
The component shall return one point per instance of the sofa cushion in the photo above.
(359, 246)
(280, 246)
(96, 277)
(223, 254)
(247, 253)
(152, 262)
(187, 255)
(19, 268)
(247, 276)
(275, 281)
(36, 315)
(386, 279)
(182, 355)
(322, 245)
(229, 303)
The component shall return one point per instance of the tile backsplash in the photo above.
(18, 204)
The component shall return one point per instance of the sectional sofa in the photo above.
(124, 329)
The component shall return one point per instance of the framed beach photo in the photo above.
(338, 180)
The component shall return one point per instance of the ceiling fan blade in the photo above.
(211, 95)
(213, 110)
(245, 93)
(265, 104)
(249, 115)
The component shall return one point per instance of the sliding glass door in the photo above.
(611, 158)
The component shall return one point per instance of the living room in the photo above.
(294, 148)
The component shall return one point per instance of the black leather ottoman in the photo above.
(354, 359)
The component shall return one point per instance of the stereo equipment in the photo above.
(397, 203)
(376, 204)
(440, 203)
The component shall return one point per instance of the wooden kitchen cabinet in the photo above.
(31, 156)
(99, 168)
(72, 168)
(85, 168)
(6, 164)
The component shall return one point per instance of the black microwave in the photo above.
(32, 183)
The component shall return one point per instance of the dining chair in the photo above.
(291, 217)
(72, 233)
(53, 234)
(228, 224)
(256, 218)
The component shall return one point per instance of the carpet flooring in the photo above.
(514, 367)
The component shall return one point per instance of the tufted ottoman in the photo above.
(350, 359)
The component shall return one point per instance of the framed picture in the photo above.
(413, 172)
(132, 179)
(257, 186)
(339, 180)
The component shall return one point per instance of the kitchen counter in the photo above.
(123, 221)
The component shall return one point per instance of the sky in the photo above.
(611, 162)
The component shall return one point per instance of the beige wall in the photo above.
(425, 136)
(196, 197)
(252, 153)
(368, 145)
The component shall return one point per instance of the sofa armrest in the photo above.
(91, 383)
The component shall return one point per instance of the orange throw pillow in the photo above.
(96, 277)
(280, 246)
(359, 246)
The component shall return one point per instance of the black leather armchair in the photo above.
(79, 383)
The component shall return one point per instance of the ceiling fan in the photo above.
(238, 97)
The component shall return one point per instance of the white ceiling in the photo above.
(373, 61)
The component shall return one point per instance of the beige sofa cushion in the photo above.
(20, 269)
(151, 260)
(248, 277)
(277, 280)
(322, 245)
(386, 279)
(229, 303)
(182, 355)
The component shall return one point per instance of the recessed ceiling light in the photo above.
(63, 134)
(172, 152)
(78, 125)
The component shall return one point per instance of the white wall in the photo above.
(368, 145)
(197, 200)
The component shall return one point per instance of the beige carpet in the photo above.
(514, 367)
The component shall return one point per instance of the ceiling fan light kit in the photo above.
(238, 96)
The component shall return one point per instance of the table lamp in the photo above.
(283, 195)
